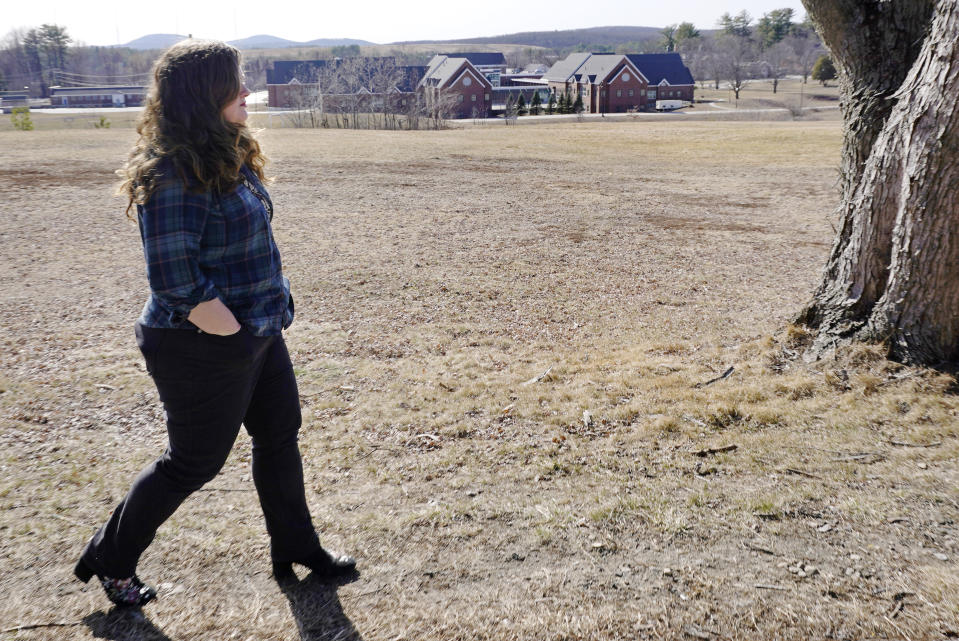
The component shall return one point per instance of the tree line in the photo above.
(33, 60)
(36, 59)
(741, 50)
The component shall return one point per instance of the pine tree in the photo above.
(521, 109)
(536, 104)
(824, 70)
(551, 104)
(578, 105)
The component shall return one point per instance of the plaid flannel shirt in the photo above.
(200, 246)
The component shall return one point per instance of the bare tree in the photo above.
(416, 111)
(384, 78)
(306, 106)
(736, 55)
(806, 49)
(351, 78)
(893, 274)
(703, 61)
(308, 98)
(776, 62)
(510, 111)
(439, 106)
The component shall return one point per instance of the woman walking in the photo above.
(211, 330)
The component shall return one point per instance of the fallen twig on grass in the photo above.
(69, 520)
(367, 593)
(756, 548)
(702, 635)
(904, 444)
(871, 457)
(792, 470)
(717, 379)
(898, 629)
(716, 450)
(763, 586)
(896, 609)
(35, 626)
(537, 379)
(316, 393)
(768, 516)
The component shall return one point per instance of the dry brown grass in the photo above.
(436, 274)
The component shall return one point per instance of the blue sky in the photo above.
(115, 21)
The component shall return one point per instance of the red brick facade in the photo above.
(460, 91)
(474, 96)
(624, 89)
(671, 92)
(616, 83)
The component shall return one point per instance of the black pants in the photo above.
(209, 385)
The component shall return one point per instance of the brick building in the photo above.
(615, 83)
(456, 82)
(669, 78)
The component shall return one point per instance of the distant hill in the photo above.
(272, 42)
(595, 36)
(154, 41)
(263, 41)
(337, 42)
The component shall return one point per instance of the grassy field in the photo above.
(511, 345)
(814, 99)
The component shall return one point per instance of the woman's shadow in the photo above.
(317, 611)
(314, 604)
(123, 624)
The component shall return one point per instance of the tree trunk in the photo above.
(893, 274)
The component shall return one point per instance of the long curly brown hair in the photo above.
(183, 122)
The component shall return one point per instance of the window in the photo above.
(485, 96)
(473, 97)
(460, 97)
(625, 77)
(467, 81)
(651, 94)
(630, 93)
(619, 93)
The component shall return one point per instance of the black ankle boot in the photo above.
(124, 593)
(323, 564)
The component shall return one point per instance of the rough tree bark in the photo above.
(893, 274)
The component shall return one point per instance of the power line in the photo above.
(60, 72)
